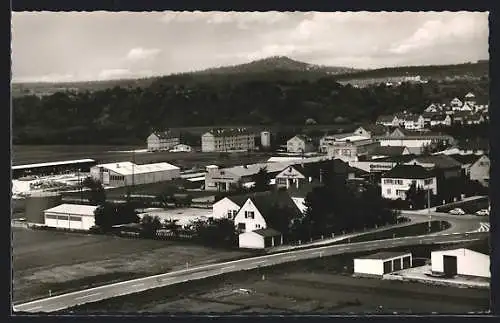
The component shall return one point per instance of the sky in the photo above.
(81, 46)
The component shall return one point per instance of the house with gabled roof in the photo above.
(440, 119)
(396, 182)
(300, 144)
(442, 164)
(387, 120)
(456, 103)
(474, 119)
(432, 108)
(414, 122)
(470, 99)
(162, 140)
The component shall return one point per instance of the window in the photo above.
(398, 182)
(400, 193)
(388, 181)
(241, 226)
(51, 216)
(389, 191)
(249, 215)
(75, 218)
(257, 226)
(428, 181)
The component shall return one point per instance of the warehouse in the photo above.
(58, 167)
(382, 263)
(127, 173)
(463, 262)
(70, 216)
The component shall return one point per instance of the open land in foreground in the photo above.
(322, 285)
(63, 262)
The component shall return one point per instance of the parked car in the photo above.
(457, 211)
(483, 212)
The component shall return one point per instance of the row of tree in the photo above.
(120, 115)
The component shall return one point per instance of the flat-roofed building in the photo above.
(381, 263)
(71, 217)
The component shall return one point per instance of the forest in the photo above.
(127, 115)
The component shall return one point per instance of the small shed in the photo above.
(382, 263)
(70, 216)
(260, 239)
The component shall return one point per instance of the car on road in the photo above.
(483, 212)
(457, 211)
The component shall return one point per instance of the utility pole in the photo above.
(429, 206)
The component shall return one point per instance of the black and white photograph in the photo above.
(240, 163)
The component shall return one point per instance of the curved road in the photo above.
(64, 301)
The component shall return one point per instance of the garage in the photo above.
(379, 264)
(70, 217)
(462, 262)
(260, 239)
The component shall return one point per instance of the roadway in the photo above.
(64, 301)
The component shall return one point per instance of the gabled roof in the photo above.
(397, 159)
(302, 137)
(408, 172)
(376, 129)
(439, 161)
(165, 134)
(267, 232)
(228, 132)
(470, 95)
(266, 203)
(439, 117)
(388, 150)
(465, 159)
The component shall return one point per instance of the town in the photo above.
(397, 199)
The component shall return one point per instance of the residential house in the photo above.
(223, 140)
(371, 130)
(455, 104)
(444, 166)
(474, 119)
(440, 120)
(415, 141)
(480, 170)
(460, 117)
(387, 121)
(162, 140)
(300, 144)
(350, 148)
(470, 99)
(432, 108)
(428, 117)
(396, 182)
(414, 122)
(466, 107)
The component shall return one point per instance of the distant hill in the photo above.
(272, 69)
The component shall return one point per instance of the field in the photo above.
(62, 262)
(470, 207)
(322, 285)
(27, 154)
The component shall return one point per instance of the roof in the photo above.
(397, 158)
(411, 117)
(408, 172)
(376, 129)
(353, 138)
(302, 137)
(280, 159)
(57, 163)
(227, 132)
(465, 159)
(164, 134)
(76, 209)
(439, 117)
(267, 232)
(470, 95)
(128, 168)
(431, 114)
(461, 114)
(385, 118)
(477, 144)
(385, 255)
(389, 150)
(417, 135)
(439, 161)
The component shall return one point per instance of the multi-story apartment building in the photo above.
(227, 139)
(163, 140)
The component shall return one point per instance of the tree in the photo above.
(216, 232)
(97, 195)
(172, 225)
(149, 226)
(262, 180)
(105, 216)
(416, 196)
(282, 218)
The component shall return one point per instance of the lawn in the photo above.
(63, 262)
(470, 207)
(322, 285)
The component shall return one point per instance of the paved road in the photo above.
(64, 301)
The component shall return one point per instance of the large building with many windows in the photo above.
(227, 140)
(162, 140)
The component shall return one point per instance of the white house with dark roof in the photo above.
(300, 144)
(470, 99)
(162, 140)
(414, 122)
(396, 182)
(456, 103)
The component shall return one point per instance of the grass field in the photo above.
(27, 154)
(322, 285)
(62, 262)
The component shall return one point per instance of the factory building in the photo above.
(70, 217)
(127, 173)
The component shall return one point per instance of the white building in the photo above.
(265, 139)
(396, 182)
(463, 262)
(299, 144)
(181, 148)
(414, 122)
(226, 208)
(260, 239)
(470, 99)
(415, 141)
(164, 140)
(70, 216)
(249, 218)
(382, 263)
(455, 103)
(127, 173)
(350, 148)
(227, 140)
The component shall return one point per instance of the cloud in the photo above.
(458, 29)
(243, 20)
(139, 53)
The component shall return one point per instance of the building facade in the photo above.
(160, 141)
(299, 144)
(223, 140)
(396, 182)
(71, 217)
(480, 170)
(463, 262)
(349, 149)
